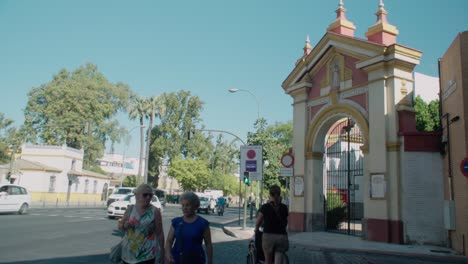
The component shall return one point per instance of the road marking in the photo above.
(81, 219)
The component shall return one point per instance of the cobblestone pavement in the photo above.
(235, 252)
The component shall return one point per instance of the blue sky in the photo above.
(205, 46)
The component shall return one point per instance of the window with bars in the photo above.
(95, 187)
(86, 186)
(52, 181)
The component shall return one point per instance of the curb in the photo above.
(240, 234)
(229, 232)
(384, 252)
(441, 257)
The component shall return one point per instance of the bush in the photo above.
(336, 210)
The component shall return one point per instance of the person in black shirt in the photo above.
(274, 216)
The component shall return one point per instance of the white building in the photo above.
(427, 87)
(118, 167)
(55, 174)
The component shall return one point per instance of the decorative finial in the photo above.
(341, 4)
(307, 46)
(381, 5)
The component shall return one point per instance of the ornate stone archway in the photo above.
(369, 80)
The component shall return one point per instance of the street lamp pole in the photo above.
(238, 138)
(123, 154)
(235, 90)
(259, 190)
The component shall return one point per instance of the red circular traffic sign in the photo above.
(464, 167)
(251, 154)
(287, 160)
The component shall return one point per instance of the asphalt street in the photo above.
(85, 235)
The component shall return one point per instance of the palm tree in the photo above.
(138, 110)
(155, 108)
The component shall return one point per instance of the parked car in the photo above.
(117, 208)
(161, 194)
(119, 194)
(174, 198)
(14, 198)
(207, 204)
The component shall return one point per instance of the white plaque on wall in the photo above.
(378, 186)
(298, 186)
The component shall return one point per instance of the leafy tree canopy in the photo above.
(192, 174)
(169, 137)
(77, 109)
(5, 143)
(276, 140)
(427, 115)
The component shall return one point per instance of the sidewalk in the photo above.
(327, 241)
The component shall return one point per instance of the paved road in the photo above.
(52, 236)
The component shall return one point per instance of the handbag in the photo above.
(115, 255)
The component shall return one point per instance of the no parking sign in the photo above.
(252, 161)
(464, 166)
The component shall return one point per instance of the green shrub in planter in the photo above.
(336, 210)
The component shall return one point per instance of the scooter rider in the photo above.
(221, 203)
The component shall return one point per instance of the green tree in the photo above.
(272, 151)
(192, 174)
(228, 183)
(276, 140)
(5, 130)
(283, 132)
(169, 138)
(155, 109)
(130, 181)
(138, 109)
(427, 115)
(224, 155)
(75, 108)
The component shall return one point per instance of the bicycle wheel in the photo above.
(252, 256)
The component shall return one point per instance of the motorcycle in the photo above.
(219, 210)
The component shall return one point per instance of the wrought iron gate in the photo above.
(343, 201)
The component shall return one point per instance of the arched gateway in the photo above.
(352, 102)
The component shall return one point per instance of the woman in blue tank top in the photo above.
(187, 234)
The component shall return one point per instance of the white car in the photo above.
(207, 204)
(119, 194)
(117, 209)
(14, 198)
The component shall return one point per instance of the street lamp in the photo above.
(235, 90)
(125, 148)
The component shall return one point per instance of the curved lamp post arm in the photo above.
(220, 131)
(234, 90)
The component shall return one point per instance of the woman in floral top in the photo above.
(142, 224)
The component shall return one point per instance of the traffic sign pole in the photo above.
(245, 208)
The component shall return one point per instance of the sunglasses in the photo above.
(147, 195)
